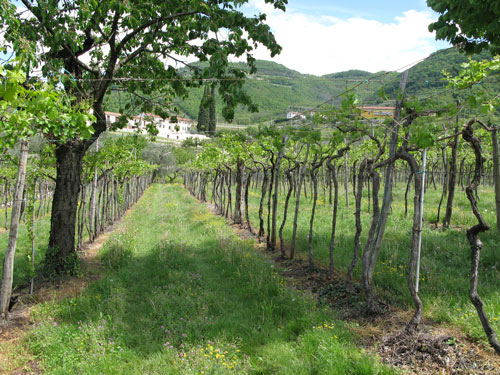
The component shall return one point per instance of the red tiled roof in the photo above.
(142, 115)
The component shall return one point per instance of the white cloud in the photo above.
(321, 45)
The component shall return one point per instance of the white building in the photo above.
(180, 130)
(297, 115)
(111, 117)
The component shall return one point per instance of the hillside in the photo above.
(426, 78)
(277, 89)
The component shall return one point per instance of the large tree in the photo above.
(471, 25)
(137, 44)
(29, 107)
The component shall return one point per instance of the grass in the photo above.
(182, 294)
(445, 264)
(445, 253)
(22, 260)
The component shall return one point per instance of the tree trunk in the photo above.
(331, 167)
(462, 173)
(285, 210)
(61, 258)
(213, 198)
(406, 192)
(222, 192)
(357, 245)
(271, 186)
(302, 173)
(367, 286)
(445, 182)
(41, 199)
(247, 186)
(237, 219)
(261, 204)
(386, 203)
(346, 181)
(92, 213)
(416, 230)
(6, 203)
(473, 237)
(82, 212)
(330, 187)
(8, 264)
(277, 175)
(314, 178)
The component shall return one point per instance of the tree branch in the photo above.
(145, 25)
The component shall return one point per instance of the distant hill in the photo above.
(277, 89)
(349, 74)
(272, 69)
(426, 77)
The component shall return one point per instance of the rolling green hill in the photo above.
(426, 78)
(277, 89)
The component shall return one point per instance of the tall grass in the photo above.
(445, 264)
(22, 260)
(182, 294)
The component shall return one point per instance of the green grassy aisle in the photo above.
(183, 295)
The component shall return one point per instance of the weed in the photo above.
(198, 301)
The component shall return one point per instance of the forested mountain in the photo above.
(276, 89)
(426, 78)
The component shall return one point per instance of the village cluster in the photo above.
(179, 130)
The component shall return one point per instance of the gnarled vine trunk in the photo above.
(357, 244)
(237, 219)
(333, 172)
(289, 177)
(473, 237)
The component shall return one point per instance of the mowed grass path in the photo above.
(182, 294)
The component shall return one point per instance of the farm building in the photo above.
(297, 115)
(179, 130)
(378, 113)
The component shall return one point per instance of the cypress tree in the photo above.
(212, 116)
(203, 115)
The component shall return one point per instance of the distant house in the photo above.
(297, 115)
(111, 117)
(167, 128)
(379, 113)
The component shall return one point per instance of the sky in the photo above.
(321, 36)
(328, 36)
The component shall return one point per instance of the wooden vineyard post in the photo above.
(421, 208)
(496, 173)
(386, 203)
(92, 218)
(8, 265)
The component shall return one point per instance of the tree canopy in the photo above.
(471, 25)
(29, 107)
(138, 45)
